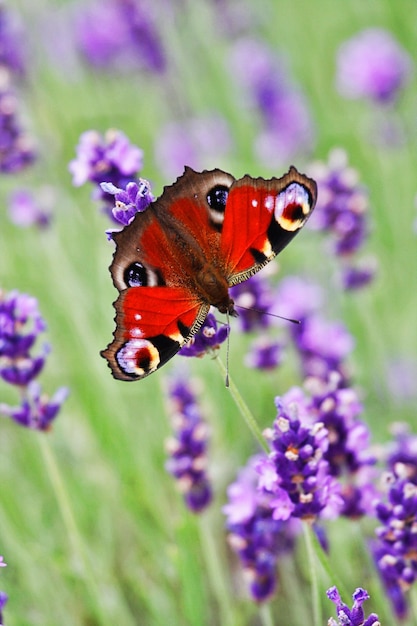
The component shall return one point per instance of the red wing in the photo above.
(176, 234)
(152, 323)
(261, 218)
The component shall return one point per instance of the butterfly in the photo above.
(204, 234)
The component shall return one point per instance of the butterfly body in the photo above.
(204, 234)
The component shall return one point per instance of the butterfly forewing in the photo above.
(262, 216)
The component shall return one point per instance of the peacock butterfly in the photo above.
(207, 232)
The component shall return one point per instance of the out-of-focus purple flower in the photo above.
(3, 599)
(265, 353)
(25, 210)
(37, 411)
(342, 211)
(121, 35)
(2, 563)
(401, 456)
(199, 142)
(207, 339)
(257, 538)
(358, 277)
(296, 472)
(253, 299)
(110, 159)
(354, 616)
(373, 65)
(12, 54)
(395, 552)
(287, 126)
(323, 346)
(107, 158)
(134, 199)
(400, 379)
(20, 326)
(16, 147)
(296, 298)
(188, 447)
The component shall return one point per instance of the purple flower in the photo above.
(342, 211)
(257, 538)
(2, 563)
(199, 142)
(354, 616)
(342, 202)
(402, 453)
(348, 453)
(296, 298)
(323, 346)
(16, 148)
(188, 447)
(107, 158)
(11, 43)
(110, 159)
(264, 78)
(207, 339)
(121, 35)
(253, 299)
(20, 326)
(395, 552)
(3, 599)
(134, 199)
(265, 354)
(25, 210)
(358, 277)
(37, 411)
(373, 65)
(296, 472)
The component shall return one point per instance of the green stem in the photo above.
(315, 598)
(216, 570)
(243, 408)
(68, 517)
(266, 615)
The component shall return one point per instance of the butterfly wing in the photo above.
(152, 323)
(154, 267)
(261, 218)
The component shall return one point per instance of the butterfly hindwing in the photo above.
(148, 331)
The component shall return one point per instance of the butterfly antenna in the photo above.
(226, 382)
(262, 312)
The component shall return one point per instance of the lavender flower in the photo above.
(296, 472)
(20, 326)
(134, 199)
(198, 142)
(257, 538)
(121, 35)
(354, 616)
(396, 549)
(287, 127)
(16, 147)
(348, 453)
(373, 65)
(402, 453)
(187, 448)
(253, 299)
(12, 56)
(341, 210)
(3, 599)
(25, 210)
(265, 353)
(207, 339)
(106, 159)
